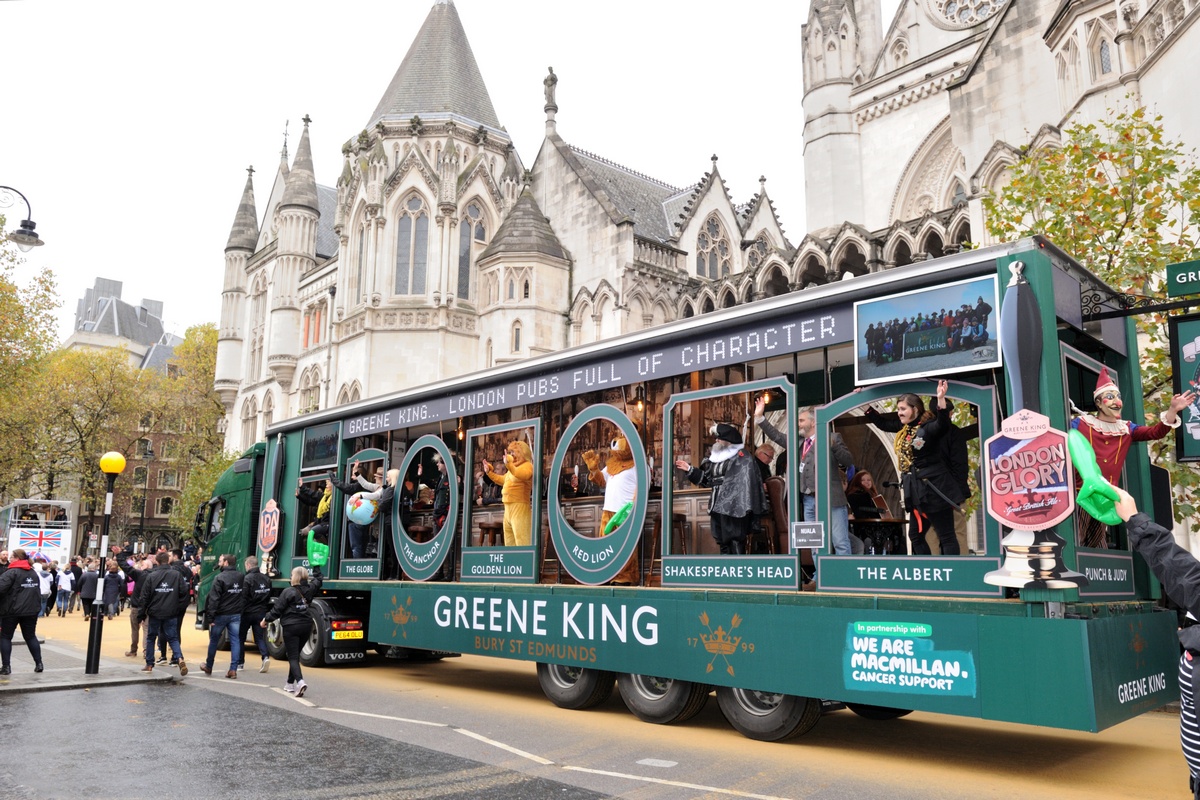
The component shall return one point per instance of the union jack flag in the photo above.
(37, 539)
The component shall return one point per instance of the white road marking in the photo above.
(503, 746)
(680, 784)
(381, 716)
(657, 762)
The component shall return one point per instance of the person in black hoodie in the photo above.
(291, 609)
(20, 602)
(256, 590)
(223, 613)
(162, 593)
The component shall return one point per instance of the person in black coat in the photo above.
(164, 590)
(931, 490)
(738, 497)
(89, 587)
(256, 592)
(20, 602)
(291, 609)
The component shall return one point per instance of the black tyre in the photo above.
(275, 641)
(312, 654)
(662, 701)
(877, 712)
(767, 716)
(575, 687)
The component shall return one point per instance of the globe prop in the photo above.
(318, 554)
(1096, 496)
(361, 510)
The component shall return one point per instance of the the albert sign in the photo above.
(1028, 473)
(1183, 279)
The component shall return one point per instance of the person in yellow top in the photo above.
(516, 487)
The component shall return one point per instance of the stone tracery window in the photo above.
(249, 422)
(956, 14)
(757, 252)
(712, 250)
(310, 390)
(412, 247)
(470, 229)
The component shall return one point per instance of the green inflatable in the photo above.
(618, 518)
(318, 554)
(1096, 496)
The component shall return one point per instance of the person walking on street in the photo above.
(77, 571)
(256, 590)
(137, 628)
(291, 609)
(114, 579)
(66, 587)
(20, 599)
(45, 584)
(176, 561)
(223, 613)
(89, 586)
(162, 592)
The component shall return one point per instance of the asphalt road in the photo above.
(480, 727)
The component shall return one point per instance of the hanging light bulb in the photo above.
(640, 396)
(462, 434)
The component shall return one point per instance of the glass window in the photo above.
(712, 250)
(412, 247)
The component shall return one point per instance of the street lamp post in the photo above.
(149, 456)
(112, 464)
(25, 237)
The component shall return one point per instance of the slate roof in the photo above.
(438, 75)
(115, 317)
(525, 230)
(327, 240)
(637, 196)
(158, 355)
(300, 187)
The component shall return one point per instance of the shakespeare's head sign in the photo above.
(1028, 473)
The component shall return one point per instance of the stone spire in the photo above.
(244, 234)
(301, 188)
(438, 76)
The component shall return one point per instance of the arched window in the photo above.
(512, 289)
(470, 229)
(903, 254)
(516, 337)
(412, 247)
(268, 411)
(899, 53)
(164, 506)
(360, 273)
(758, 251)
(707, 307)
(776, 284)
(1105, 57)
(258, 323)
(249, 422)
(310, 390)
(525, 291)
(712, 250)
(487, 356)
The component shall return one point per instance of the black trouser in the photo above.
(730, 533)
(28, 625)
(250, 622)
(89, 603)
(294, 637)
(943, 525)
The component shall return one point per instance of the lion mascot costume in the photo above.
(516, 488)
(619, 479)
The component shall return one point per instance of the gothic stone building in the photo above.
(437, 239)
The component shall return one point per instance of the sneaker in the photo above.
(287, 687)
(266, 665)
(206, 669)
(162, 659)
(241, 666)
(301, 686)
(182, 668)
(174, 662)
(231, 674)
(148, 668)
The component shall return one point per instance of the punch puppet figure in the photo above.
(516, 491)
(1112, 437)
(619, 479)
(737, 488)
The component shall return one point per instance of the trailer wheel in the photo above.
(275, 646)
(574, 687)
(877, 712)
(662, 701)
(312, 654)
(768, 716)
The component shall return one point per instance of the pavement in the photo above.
(64, 656)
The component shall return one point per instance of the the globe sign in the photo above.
(361, 509)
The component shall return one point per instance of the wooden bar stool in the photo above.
(420, 533)
(491, 534)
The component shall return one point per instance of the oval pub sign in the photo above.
(1028, 474)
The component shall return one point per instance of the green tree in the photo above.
(201, 479)
(1124, 199)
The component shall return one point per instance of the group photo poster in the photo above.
(925, 332)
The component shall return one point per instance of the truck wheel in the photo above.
(662, 701)
(312, 654)
(574, 687)
(877, 712)
(768, 716)
(275, 646)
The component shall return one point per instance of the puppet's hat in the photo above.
(726, 433)
(1104, 383)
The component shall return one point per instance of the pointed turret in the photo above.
(301, 188)
(244, 234)
(439, 76)
(524, 231)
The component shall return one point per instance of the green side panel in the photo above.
(976, 659)
(1079, 674)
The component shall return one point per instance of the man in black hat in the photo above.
(737, 490)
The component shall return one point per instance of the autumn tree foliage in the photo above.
(1123, 198)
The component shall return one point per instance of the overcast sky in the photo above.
(129, 125)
